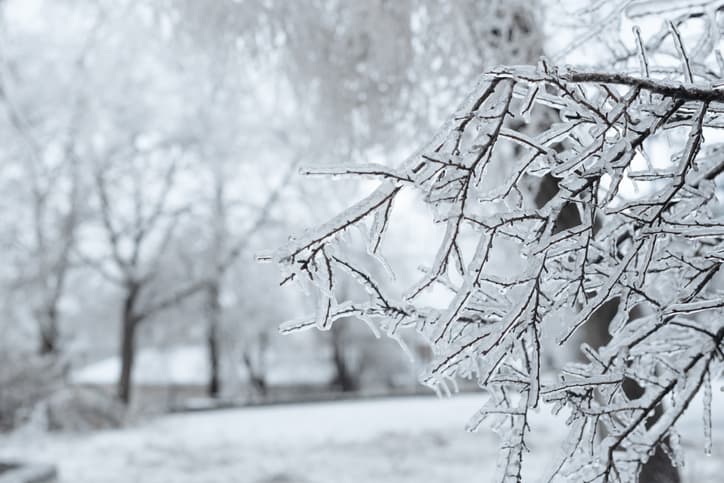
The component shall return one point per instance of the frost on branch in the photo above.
(648, 236)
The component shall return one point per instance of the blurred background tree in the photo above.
(160, 157)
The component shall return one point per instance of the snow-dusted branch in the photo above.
(641, 237)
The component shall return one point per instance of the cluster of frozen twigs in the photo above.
(648, 234)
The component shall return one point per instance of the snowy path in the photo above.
(402, 440)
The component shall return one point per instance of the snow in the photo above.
(402, 440)
(188, 365)
(178, 365)
(284, 371)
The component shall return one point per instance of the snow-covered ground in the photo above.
(402, 440)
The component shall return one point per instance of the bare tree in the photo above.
(225, 249)
(55, 215)
(54, 181)
(138, 220)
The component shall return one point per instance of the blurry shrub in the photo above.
(83, 409)
(33, 391)
(25, 381)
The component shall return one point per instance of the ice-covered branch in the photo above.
(617, 233)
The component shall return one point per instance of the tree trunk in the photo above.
(129, 322)
(256, 375)
(345, 379)
(49, 332)
(257, 369)
(213, 322)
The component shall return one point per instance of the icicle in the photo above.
(674, 450)
(403, 345)
(707, 413)
(373, 328)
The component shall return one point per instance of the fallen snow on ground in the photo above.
(402, 440)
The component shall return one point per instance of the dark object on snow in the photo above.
(27, 473)
(280, 478)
